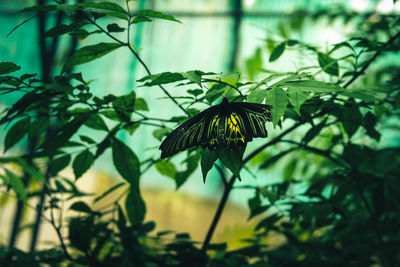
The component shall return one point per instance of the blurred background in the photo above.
(215, 35)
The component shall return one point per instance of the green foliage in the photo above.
(336, 204)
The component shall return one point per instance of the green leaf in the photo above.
(62, 29)
(132, 127)
(162, 78)
(139, 19)
(208, 157)
(81, 206)
(195, 92)
(16, 184)
(87, 139)
(289, 170)
(271, 160)
(255, 205)
(135, 207)
(166, 168)
(114, 27)
(297, 98)
(16, 132)
(140, 104)
(66, 132)
(109, 191)
(155, 14)
(33, 171)
(38, 126)
(193, 76)
(59, 164)
(277, 98)
(82, 163)
(313, 132)
(191, 165)
(95, 121)
(40, 8)
(231, 159)
(328, 64)
(8, 67)
(257, 96)
(89, 53)
(104, 5)
(160, 133)
(277, 52)
(126, 162)
(124, 105)
(313, 86)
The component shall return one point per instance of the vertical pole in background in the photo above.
(237, 11)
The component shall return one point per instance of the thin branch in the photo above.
(224, 83)
(222, 174)
(372, 59)
(317, 151)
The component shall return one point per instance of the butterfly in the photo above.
(232, 124)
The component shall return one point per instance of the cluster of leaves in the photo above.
(348, 208)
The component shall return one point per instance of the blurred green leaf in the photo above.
(95, 121)
(141, 104)
(166, 168)
(16, 184)
(193, 76)
(135, 207)
(160, 133)
(138, 19)
(297, 98)
(155, 14)
(109, 191)
(278, 99)
(328, 64)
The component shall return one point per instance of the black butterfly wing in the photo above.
(252, 118)
(234, 124)
(202, 129)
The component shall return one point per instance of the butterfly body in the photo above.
(230, 123)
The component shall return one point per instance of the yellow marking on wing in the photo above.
(234, 132)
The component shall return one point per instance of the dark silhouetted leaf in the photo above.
(208, 157)
(82, 163)
(16, 132)
(231, 159)
(81, 206)
(126, 162)
(135, 207)
(89, 53)
(8, 67)
(59, 164)
(114, 28)
(62, 29)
